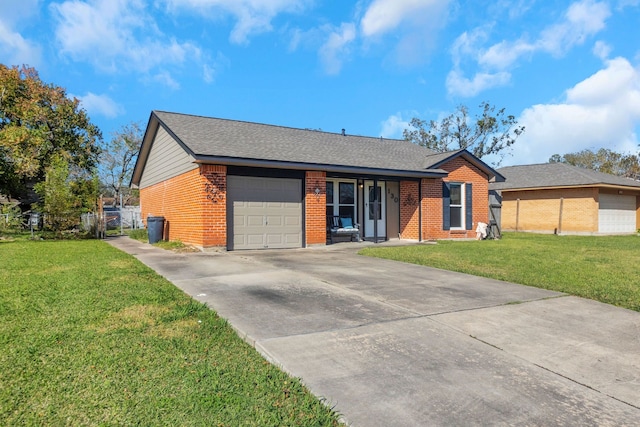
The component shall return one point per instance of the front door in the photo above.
(374, 209)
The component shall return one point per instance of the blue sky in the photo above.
(568, 71)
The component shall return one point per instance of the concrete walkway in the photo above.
(394, 344)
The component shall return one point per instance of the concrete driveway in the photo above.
(394, 344)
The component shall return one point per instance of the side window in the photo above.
(456, 205)
(457, 209)
(329, 198)
(347, 200)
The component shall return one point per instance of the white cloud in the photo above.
(166, 79)
(14, 12)
(208, 73)
(252, 16)
(601, 111)
(582, 19)
(504, 54)
(335, 50)
(393, 126)
(99, 105)
(602, 50)
(460, 85)
(627, 3)
(415, 24)
(14, 48)
(466, 44)
(383, 16)
(116, 35)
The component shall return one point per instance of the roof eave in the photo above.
(563, 187)
(145, 148)
(147, 141)
(281, 164)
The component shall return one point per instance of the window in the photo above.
(457, 209)
(330, 198)
(341, 198)
(455, 206)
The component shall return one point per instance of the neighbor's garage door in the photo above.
(617, 214)
(264, 212)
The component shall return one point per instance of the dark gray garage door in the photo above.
(264, 213)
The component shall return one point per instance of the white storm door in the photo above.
(374, 197)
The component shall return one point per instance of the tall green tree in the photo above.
(57, 200)
(38, 121)
(604, 160)
(64, 195)
(489, 133)
(118, 159)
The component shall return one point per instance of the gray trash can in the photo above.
(155, 228)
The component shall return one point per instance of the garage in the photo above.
(617, 214)
(264, 213)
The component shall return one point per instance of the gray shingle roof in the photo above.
(205, 137)
(237, 143)
(556, 175)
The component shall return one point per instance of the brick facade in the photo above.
(539, 211)
(409, 212)
(214, 209)
(315, 207)
(193, 205)
(460, 171)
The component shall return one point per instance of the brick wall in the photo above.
(432, 209)
(459, 171)
(409, 214)
(539, 210)
(193, 204)
(214, 209)
(315, 207)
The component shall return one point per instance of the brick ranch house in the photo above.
(560, 198)
(239, 185)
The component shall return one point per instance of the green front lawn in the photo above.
(603, 268)
(90, 336)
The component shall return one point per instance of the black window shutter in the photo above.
(469, 206)
(446, 201)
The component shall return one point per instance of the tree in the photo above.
(57, 198)
(118, 158)
(64, 196)
(489, 134)
(37, 122)
(604, 160)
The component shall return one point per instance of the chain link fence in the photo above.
(113, 221)
(110, 221)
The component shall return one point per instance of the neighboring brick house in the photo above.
(239, 185)
(560, 198)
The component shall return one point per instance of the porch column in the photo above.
(376, 209)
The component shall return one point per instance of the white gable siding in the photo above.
(166, 160)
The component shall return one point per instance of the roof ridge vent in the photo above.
(344, 132)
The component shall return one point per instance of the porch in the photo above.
(373, 205)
